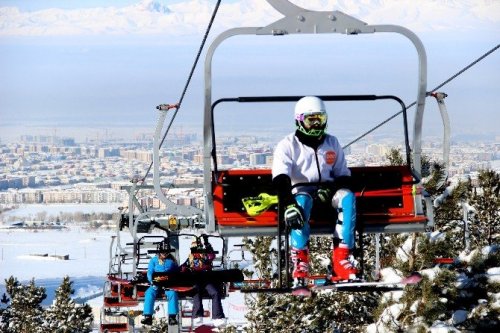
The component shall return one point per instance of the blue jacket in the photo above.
(168, 265)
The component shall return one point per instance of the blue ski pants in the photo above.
(345, 203)
(150, 297)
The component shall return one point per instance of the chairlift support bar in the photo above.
(440, 96)
(298, 20)
(338, 98)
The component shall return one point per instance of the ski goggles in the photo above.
(313, 119)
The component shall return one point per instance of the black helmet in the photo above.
(163, 249)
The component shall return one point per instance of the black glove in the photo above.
(294, 217)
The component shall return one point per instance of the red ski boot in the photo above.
(343, 269)
(300, 260)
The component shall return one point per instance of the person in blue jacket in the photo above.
(163, 262)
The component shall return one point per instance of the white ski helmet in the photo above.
(310, 116)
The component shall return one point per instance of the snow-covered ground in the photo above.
(89, 253)
(30, 211)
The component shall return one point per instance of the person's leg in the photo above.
(197, 302)
(299, 239)
(173, 306)
(214, 293)
(149, 300)
(149, 303)
(173, 301)
(345, 203)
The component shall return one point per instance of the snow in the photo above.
(462, 281)
(404, 251)
(495, 304)
(493, 275)
(442, 197)
(437, 236)
(414, 306)
(87, 265)
(387, 317)
(442, 327)
(86, 250)
(466, 256)
(30, 211)
(459, 316)
(431, 273)
(489, 249)
(390, 274)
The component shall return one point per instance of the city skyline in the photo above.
(78, 69)
(51, 162)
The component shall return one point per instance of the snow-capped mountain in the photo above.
(153, 6)
(191, 16)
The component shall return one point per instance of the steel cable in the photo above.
(193, 67)
(415, 102)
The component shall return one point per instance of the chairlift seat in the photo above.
(385, 199)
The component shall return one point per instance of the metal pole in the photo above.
(465, 211)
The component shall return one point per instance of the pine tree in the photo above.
(394, 157)
(270, 312)
(5, 310)
(24, 314)
(440, 298)
(159, 326)
(486, 201)
(64, 316)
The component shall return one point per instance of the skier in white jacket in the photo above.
(311, 155)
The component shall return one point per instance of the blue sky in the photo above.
(78, 70)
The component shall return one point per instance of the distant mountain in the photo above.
(191, 16)
(153, 6)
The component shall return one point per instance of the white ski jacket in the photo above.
(303, 164)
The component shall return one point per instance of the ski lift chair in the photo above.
(113, 321)
(387, 196)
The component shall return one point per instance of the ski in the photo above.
(412, 279)
(301, 291)
(205, 329)
(186, 279)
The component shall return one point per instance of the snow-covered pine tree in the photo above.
(5, 310)
(402, 252)
(485, 198)
(159, 326)
(64, 315)
(324, 312)
(390, 243)
(24, 314)
(394, 157)
(455, 296)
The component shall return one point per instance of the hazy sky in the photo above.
(78, 67)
